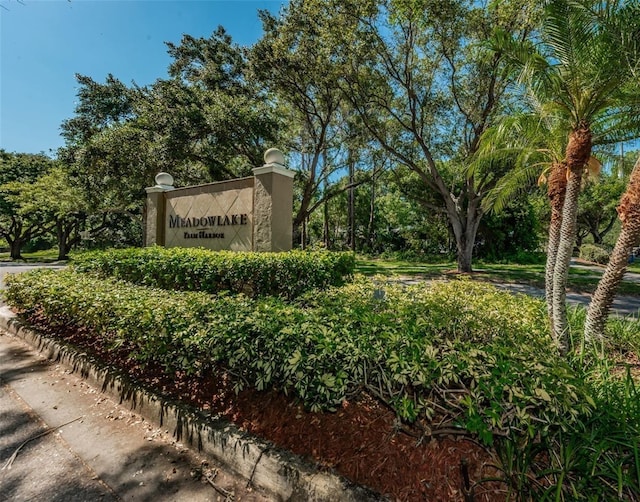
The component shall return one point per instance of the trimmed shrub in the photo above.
(256, 274)
(446, 355)
(454, 351)
(595, 253)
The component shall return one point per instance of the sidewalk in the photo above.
(106, 453)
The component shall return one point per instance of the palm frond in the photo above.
(512, 184)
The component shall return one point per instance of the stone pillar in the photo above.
(156, 204)
(273, 204)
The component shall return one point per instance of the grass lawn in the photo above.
(375, 266)
(579, 279)
(46, 256)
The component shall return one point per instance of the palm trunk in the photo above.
(552, 253)
(556, 191)
(629, 214)
(577, 156)
(563, 258)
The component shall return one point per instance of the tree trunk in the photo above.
(465, 228)
(352, 206)
(303, 243)
(15, 249)
(556, 191)
(629, 214)
(464, 255)
(577, 156)
(599, 235)
(63, 250)
(372, 214)
(325, 225)
(64, 246)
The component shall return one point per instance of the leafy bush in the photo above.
(255, 274)
(594, 253)
(454, 352)
(600, 458)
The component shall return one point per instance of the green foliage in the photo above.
(601, 457)
(52, 200)
(598, 458)
(17, 171)
(300, 65)
(208, 121)
(597, 207)
(455, 354)
(255, 274)
(452, 352)
(595, 253)
(206, 115)
(427, 86)
(512, 231)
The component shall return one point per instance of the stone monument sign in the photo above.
(246, 214)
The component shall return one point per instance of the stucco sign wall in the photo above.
(216, 216)
(246, 214)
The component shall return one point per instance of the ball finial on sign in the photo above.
(273, 156)
(164, 179)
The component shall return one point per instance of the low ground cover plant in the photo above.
(450, 356)
(255, 274)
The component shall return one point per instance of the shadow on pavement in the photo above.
(104, 451)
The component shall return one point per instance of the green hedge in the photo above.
(255, 274)
(461, 352)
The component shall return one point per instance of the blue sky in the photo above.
(44, 43)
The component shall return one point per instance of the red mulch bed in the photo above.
(362, 440)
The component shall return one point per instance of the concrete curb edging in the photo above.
(279, 473)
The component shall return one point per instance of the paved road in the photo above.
(598, 270)
(15, 268)
(622, 305)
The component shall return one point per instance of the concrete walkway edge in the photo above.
(279, 473)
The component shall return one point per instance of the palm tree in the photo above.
(577, 74)
(529, 141)
(626, 29)
(629, 214)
